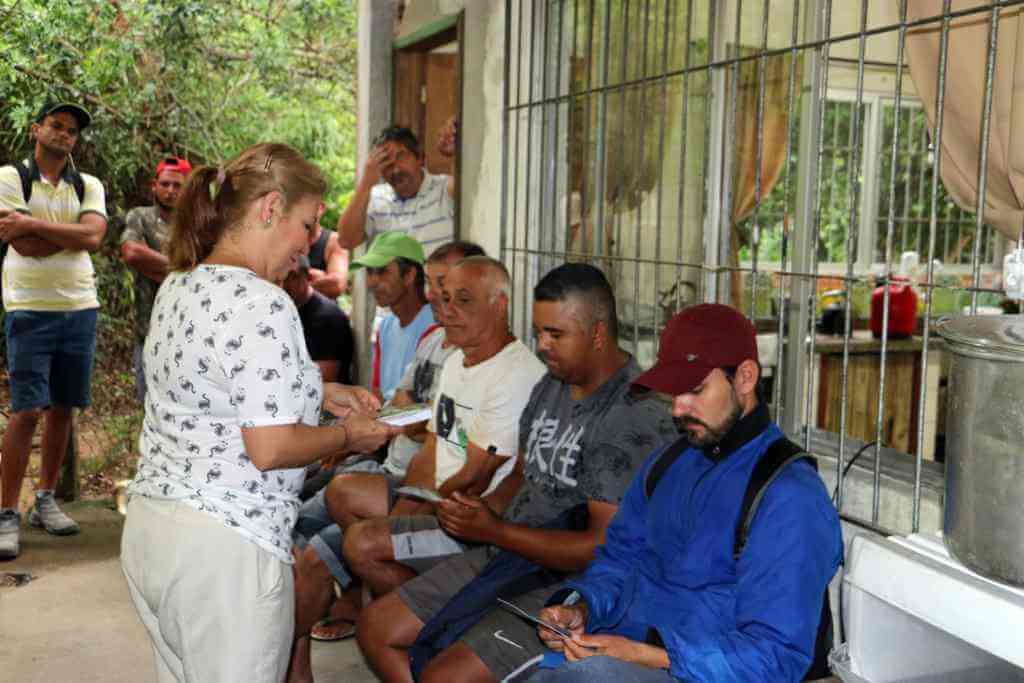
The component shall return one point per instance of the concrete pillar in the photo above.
(374, 78)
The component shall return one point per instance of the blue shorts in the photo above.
(49, 357)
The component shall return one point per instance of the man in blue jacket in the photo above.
(665, 599)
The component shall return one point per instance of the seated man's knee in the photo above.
(376, 624)
(457, 664)
(387, 622)
(337, 497)
(367, 541)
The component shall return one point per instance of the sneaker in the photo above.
(10, 525)
(46, 515)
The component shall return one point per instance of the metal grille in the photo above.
(758, 153)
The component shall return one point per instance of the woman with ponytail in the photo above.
(231, 422)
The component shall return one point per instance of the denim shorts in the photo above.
(49, 357)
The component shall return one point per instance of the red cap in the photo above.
(174, 164)
(695, 342)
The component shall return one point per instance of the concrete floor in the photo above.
(75, 621)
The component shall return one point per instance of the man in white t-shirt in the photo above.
(473, 433)
(410, 200)
(364, 488)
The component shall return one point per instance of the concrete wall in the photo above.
(482, 96)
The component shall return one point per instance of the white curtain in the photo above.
(964, 103)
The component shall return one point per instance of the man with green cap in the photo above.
(51, 217)
(394, 275)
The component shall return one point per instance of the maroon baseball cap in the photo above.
(696, 341)
(174, 164)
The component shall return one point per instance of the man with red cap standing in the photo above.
(142, 242)
(696, 581)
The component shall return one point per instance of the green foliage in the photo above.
(193, 78)
(196, 78)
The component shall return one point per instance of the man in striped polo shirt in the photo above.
(51, 218)
(410, 200)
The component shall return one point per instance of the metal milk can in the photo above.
(984, 507)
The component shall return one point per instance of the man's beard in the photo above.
(166, 207)
(712, 435)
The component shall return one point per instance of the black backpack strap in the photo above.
(28, 172)
(78, 183)
(25, 173)
(661, 465)
(776, 458)
(771, 464)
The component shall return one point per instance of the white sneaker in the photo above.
(46, 515)
(10, 526)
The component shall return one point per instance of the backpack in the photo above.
(778, 455)
(28, 171)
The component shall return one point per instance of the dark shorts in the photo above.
(505, 643)
(49, 357)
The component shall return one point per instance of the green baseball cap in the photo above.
(81, 115)
(386, 248)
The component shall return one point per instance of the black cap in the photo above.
(81, 115)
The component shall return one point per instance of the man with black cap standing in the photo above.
(142, 242)
(52, 217)
(694, 582)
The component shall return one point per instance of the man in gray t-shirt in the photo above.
(582, 438)
(579, 451)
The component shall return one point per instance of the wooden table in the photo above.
(903, 377)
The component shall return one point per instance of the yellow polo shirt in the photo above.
(64, 281)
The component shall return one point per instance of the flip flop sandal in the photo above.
(329, 623)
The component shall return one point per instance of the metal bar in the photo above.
(729, 164)
(529, 162)
(755, 232)
(683, 149)
(617, 216)
(640, 162)
(517, 153)
(505, 88)
(601, 181)
(780, 356)
(851, 236)
(586, 168)
(824, 28)
(897, 120)
(986, 130)
(666, 49)
(714, 126)
(569, 131)
(940, 102)
(878, 30)
(867, 63)
(556, 144)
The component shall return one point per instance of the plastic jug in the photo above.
(902, 309)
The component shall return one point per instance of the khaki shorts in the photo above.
(218, 608)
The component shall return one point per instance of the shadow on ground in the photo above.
(75, 621)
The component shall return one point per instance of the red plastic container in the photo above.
(902, 309)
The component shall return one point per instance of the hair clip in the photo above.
(222, 176)
(266, 165)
